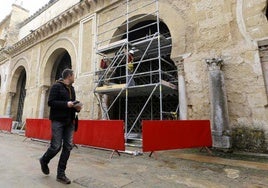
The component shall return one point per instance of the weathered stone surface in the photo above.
(204, 28)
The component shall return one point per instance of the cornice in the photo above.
(38, 12)
(53, 26)
(3, 55)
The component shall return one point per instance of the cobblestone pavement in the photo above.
(88, 167)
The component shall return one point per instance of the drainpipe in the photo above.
(218, 101)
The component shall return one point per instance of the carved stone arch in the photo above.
(17, 68)
(177, 28)
(17, 89)
(136, 31)
(51, 54)
(118, 34)
(252, 20)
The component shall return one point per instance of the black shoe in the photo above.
(44, 167)
(63, 179)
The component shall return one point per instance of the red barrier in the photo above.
(175, 134)
(38, 128)
(97, 133)
(6, 124)
(101, 133)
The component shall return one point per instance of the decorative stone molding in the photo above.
(42, 9)
(252, 19)
(57, 24)
(214, 63)
(179, 62)
(180, 66)
(44, 89)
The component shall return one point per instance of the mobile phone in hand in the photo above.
(75, 102)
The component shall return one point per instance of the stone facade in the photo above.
(203, 28)
(10, 26)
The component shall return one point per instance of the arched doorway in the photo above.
(62, 61)
(19, 90)
(21, 94)
(59, 60)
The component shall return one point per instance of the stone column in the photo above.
(105, 106)
(264, 65)
(218, 101)
(42, 101)
(182, 89)
(9, 103)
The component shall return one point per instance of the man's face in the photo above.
(71, 78)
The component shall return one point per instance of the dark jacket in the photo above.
(58, 98)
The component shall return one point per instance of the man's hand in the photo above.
(78, 108)
(75, 104)
(70, 104)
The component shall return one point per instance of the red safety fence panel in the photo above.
(175, 134)
(101, 133)
(6, 124)
(38, 128)
(97, 133)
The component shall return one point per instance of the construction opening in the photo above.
(135, 78)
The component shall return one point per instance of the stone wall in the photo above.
(41, 17)
(18, 14)
(217, 33)
(10, 25)
(224, 28)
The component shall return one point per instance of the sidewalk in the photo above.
(87, 167)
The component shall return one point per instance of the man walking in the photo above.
(62, 115)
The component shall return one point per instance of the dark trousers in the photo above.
(62, 135)
(130, 80)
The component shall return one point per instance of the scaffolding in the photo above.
(135, 78)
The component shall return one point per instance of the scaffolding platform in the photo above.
(110, 89)
(143, 90)
(112, 47)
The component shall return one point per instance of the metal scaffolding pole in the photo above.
(155, 77)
